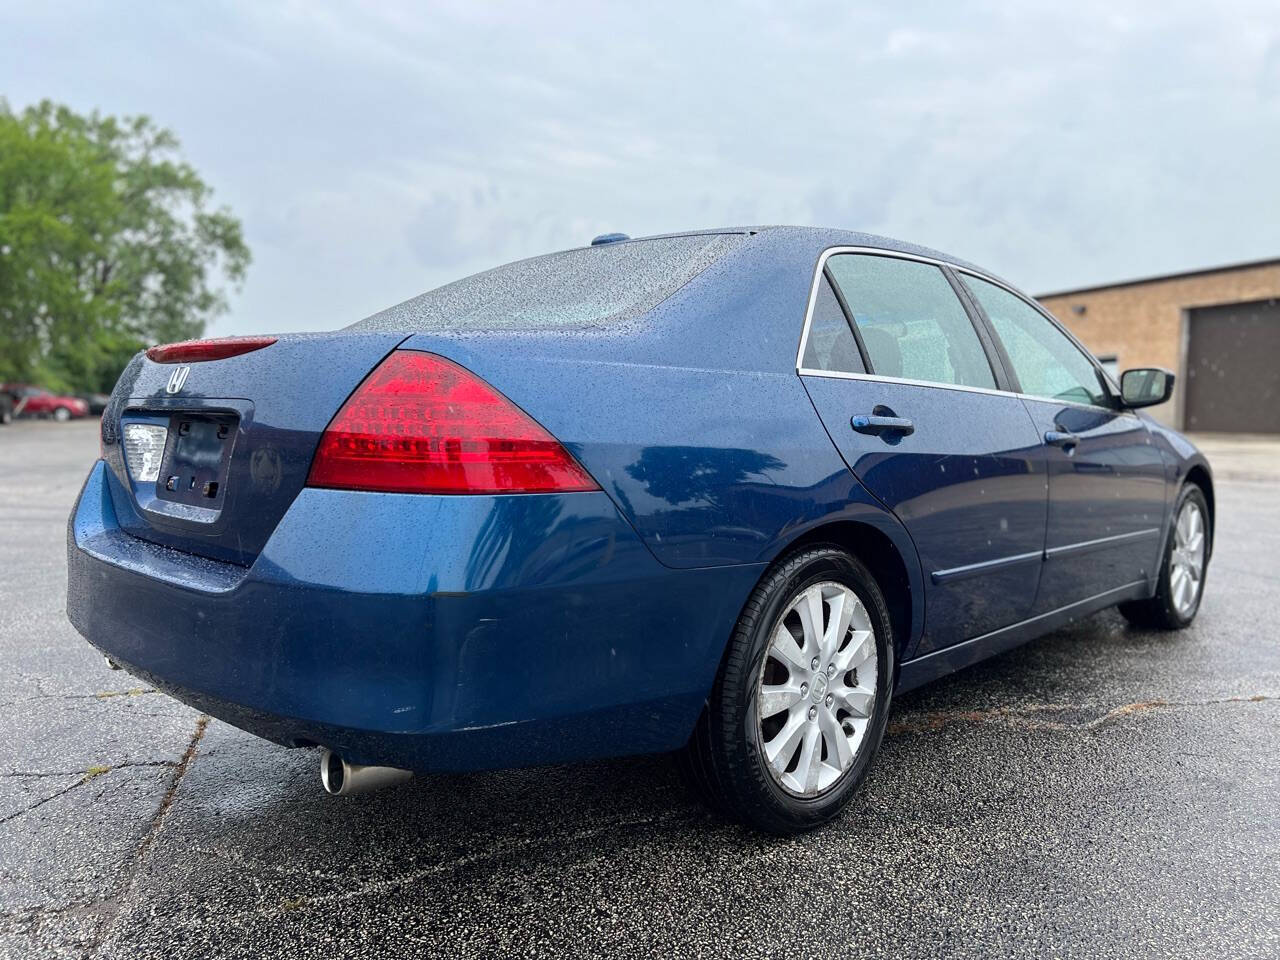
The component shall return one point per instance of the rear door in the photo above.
(1106, 477)
(910, 390)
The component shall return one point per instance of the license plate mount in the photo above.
(197, 457)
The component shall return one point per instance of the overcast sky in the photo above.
(375, 151)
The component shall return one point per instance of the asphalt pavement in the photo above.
(1101, 792)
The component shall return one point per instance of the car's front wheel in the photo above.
(1182, 570)
(800, 705)
(62, 414)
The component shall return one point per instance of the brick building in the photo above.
(1217, 329)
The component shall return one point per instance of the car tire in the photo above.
(6, 416)
(727, 758)
(1172, 607)
(62, 414)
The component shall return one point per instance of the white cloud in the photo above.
(374, 151)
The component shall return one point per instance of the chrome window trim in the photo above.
(826, 255)
(875, 377)
(1116, 411)
(830, 252)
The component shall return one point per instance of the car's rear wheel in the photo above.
(800, 705)
(1182, 571)
(62, 414)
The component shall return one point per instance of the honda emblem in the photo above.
(177, 379)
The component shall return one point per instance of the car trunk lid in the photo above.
(220, 448)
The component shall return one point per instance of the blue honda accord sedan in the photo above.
(722, 493)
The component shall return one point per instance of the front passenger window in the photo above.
(1045, 360)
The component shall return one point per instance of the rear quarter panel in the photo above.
(693, 419)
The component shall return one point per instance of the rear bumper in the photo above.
(434, 633)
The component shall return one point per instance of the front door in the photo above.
(910, 396)
(1106, 477)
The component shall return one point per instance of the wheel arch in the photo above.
(877, 550)
(1200, 476)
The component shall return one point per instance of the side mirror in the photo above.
(1145, 386)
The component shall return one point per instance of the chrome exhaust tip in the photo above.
(342, 779)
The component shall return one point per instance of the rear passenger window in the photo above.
(910, 320)
(830, 345)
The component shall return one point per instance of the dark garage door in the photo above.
(1233, 368)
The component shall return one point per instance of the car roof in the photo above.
(759, 288)
(820, 238)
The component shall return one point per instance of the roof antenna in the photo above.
(604, 238)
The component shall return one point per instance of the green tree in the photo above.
(108, 242)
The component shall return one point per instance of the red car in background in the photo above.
(38, 402)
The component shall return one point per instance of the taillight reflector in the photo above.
(422, 424)
(216, 348)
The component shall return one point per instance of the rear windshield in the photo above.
(590, 287)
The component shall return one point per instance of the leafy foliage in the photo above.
(108, 242)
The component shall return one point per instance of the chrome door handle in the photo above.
(877, 425)
(1060, 438)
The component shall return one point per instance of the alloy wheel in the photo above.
(817, 688)
(1186, 563)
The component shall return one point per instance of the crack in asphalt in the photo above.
(20, 921)
(43, 800)
(96, 771)
(41, 773)
(114, 903)
(396, 881)
(86, 776)
(1032, 716)
(101, 695)
(1028, 717)
(180, 771)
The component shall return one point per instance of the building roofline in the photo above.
(1159, 278)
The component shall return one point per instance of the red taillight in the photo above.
(422, 424)
(218, 348)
